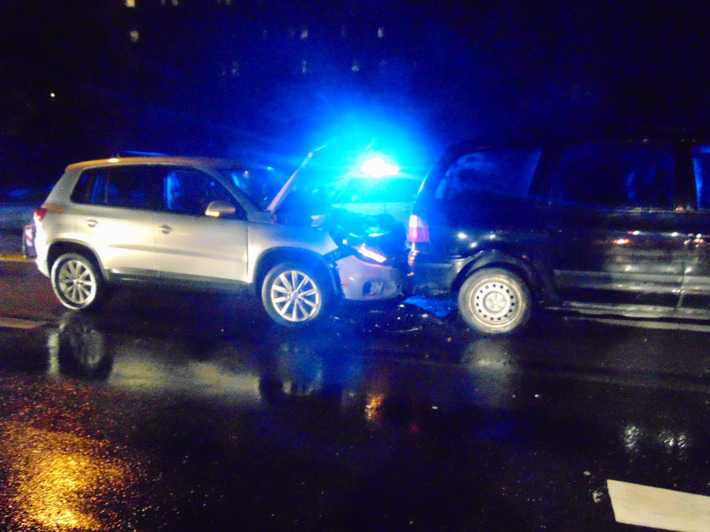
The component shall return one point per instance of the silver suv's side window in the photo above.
(121, 186)
(189, 191)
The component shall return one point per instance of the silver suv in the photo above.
(201, 223)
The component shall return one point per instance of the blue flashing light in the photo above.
(377, 166)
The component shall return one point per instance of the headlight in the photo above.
(371, 254)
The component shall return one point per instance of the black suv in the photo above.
(598, 227)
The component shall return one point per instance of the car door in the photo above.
(113, 211)
(696, 283)
(192, 246)
(617, 237)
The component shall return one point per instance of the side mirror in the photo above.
(219, 209)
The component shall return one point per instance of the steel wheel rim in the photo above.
(76, 283)
(295, 296)
(496, 303)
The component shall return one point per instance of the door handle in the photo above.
(165, 229)
(91, 222)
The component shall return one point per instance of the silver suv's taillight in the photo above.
(39, 214)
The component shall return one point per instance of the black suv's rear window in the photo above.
(504, 172)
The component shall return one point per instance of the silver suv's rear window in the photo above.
(118, 186)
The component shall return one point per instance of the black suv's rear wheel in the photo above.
(77, 282)
(294, 295)
(495, 301)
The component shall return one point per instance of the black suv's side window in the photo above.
(614, 175)
(505, 172)
(121, 186)
(701, 169)
(190, 191)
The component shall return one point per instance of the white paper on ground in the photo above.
(636, 504)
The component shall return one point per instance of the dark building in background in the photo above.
(86, 79)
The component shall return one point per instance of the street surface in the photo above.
(180, 411)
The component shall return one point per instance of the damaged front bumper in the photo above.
(361, 280)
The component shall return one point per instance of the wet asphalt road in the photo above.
(182, 411)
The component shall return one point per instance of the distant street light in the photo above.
(52, 95)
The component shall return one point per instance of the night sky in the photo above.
(89, 79)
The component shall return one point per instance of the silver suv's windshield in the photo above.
(259, 183)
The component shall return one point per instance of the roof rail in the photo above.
(138, 153)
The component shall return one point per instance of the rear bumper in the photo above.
(41, 248)
(434, 278)
(365, 281)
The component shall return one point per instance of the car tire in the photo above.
(310, 303)
(495, 301)
(77, 282)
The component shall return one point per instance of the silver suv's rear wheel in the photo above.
(495, 301)
(76, 281)
(294, 295)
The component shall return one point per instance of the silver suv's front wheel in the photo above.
(294, 295)
(76, 281)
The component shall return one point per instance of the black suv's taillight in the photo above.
(418, 231)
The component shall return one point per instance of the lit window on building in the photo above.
(381, 32)
(305, 67)
(355, 66)
(134, 35)
(304, 34)
(130, 3)
(234, 70)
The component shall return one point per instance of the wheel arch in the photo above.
(495, 258)
(271, 257)
(60, 247)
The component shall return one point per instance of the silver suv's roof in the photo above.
(187, 161)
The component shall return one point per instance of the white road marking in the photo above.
(636, 504)
(14, 323)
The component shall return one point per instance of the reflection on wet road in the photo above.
(58, 480)
(192, 413)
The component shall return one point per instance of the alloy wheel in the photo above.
(295, 296)
(76, 282)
